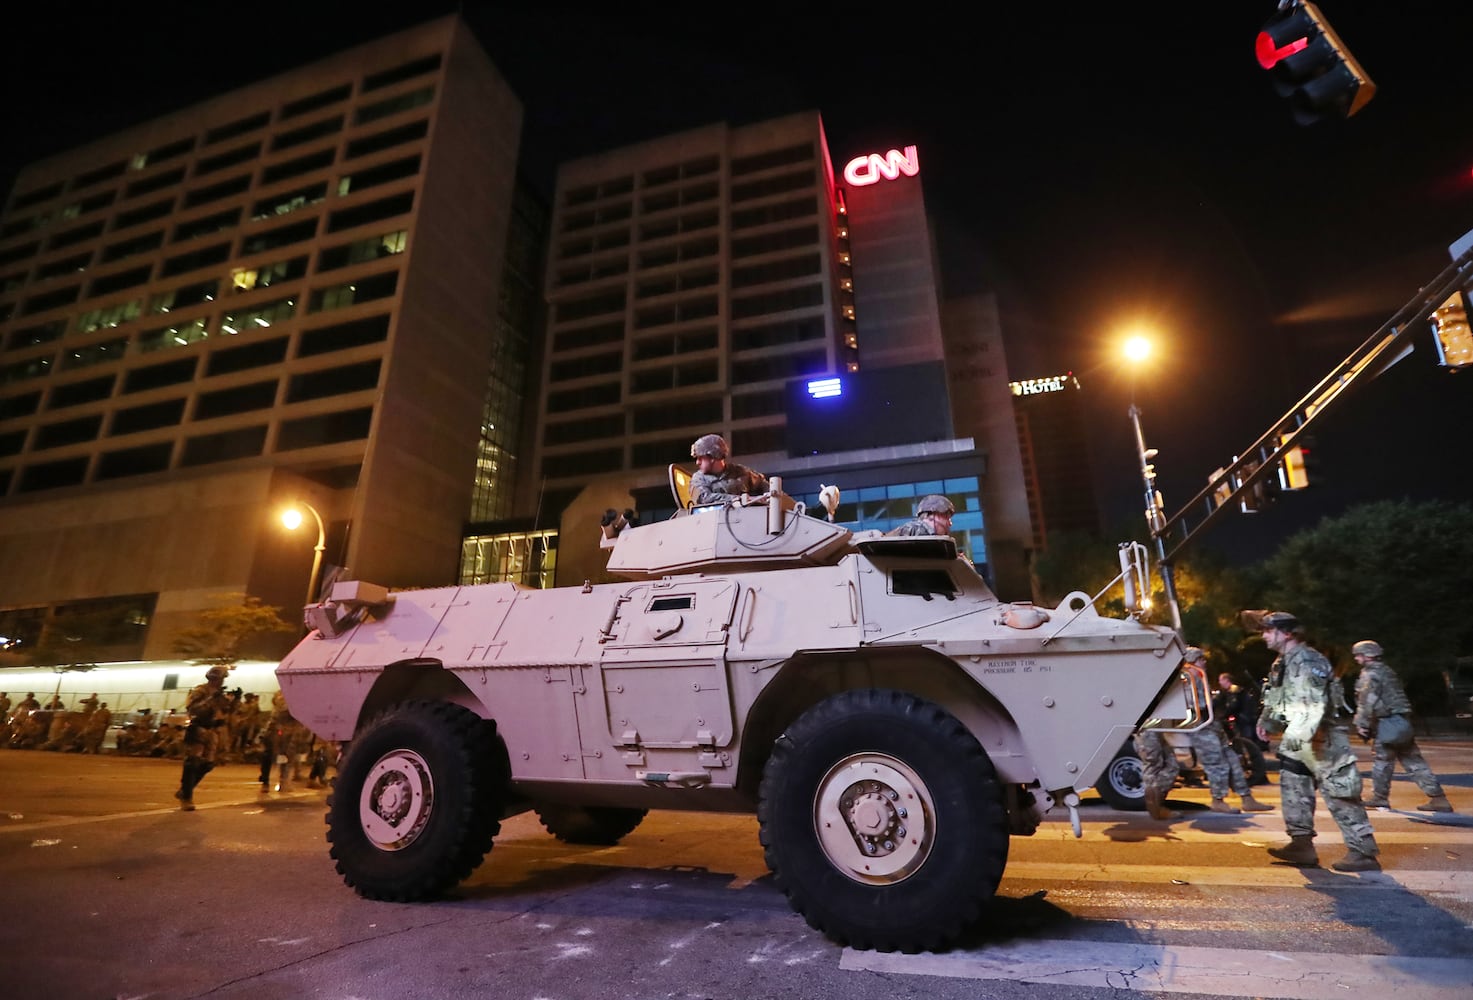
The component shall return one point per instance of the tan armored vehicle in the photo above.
(891, 722)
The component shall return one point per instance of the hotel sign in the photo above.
(1034, 386)
(873, 167)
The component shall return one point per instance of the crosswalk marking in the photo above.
(1174, 969)
(1458, 883)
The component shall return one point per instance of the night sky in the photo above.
(1126, 163)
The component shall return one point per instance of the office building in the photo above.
(285, 293)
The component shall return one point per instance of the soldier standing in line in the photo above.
(1219, 760)
(1304, 703)
(28, 705)
(88, 705)
(208, 706)
(1159, 769)
(718, 477)
(933, 517)
(94, 729)
(4, 707)
(1378, 697)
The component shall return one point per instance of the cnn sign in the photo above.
(873, 168)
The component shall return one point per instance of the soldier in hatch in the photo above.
(933, 517)
(1304, 704)
(718, 477)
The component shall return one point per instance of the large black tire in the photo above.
(417, 801)
(1123, 785)
(603, 826)
(883, 821)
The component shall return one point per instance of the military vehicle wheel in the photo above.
(417, 801)
(1123, 784)
(600, 825)
(883, 821)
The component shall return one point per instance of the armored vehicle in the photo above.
(891, 722)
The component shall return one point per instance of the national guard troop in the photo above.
(290, 740)
(1219, 760)
(1304, 705)
(933, 517)
(1383, 714)
(1159, 768)
(94, 728)
(718, 477)
(208, 707)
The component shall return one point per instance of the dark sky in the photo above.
(1098, 167)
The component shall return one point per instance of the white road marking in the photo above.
(1457, 882)
(1173, 969)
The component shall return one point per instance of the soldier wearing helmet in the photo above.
(1382, 716)
(208, 707)
(1219, 761)
(718, 477)
(1305, 703)
(933, 517)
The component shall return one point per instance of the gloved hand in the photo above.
(610, 516)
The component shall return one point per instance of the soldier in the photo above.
(94, 729)
(28, 705)
(1304, 702)
(933, 517)
(88, 705)
(290, 739)
(4, 707)
(1219, 760)
(1378, 697)
(208, 707)
(1159, 769)
(719, 477)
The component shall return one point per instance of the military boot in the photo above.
(1298, 851)
(1355, 861)
(1436, 804)
(1252, 805)
(1378, 802)
(1156, 806)
(1221, 806)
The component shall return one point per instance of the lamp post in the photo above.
(292, 518)
(1136, 349)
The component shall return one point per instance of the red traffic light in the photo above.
(1269, 52)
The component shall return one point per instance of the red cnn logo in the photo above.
(872, 168)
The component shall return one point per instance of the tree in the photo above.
(224, 635)
(1399, 572)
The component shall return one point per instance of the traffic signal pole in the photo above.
(1155, 515)
(1388, 345)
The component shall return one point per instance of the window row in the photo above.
(204, 449)
(367, 112)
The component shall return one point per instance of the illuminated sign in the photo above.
(872, 168)
(1034, 386)
(823, 388)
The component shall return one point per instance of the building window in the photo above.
(135, 461)
(93, 354)
(224, 189)
(294, 168)
(194, 260)
(325, 429)
(281, 236)
(143, 213)
(305, 105)
(109, 316)
(179, 335)
(30, 336)
(184, 296)
(384, 173)
(130, 247)
(205, 225)
(237, 399)
(247, 356)
(107, 284)
(526, 558)
(333, 382)
(230, 158)
(157, 182)
(158, 376)
(344, 336)
(373, 248)
(366, 289)
(387, 139)
(147, 418)
(247, 279)
(374, 211)
(237, 128)
(307, 133)
(408, 71)
(226, 446)
(248, 320)
(78, 393)
(67, 432)
(53, 475)
(394, 105)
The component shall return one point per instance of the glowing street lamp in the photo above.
(1137, 349)
(292, 518)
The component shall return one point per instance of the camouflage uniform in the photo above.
(1159, 769)
(1302, 701)
(1220, 762)
(915, 526)
(733, 480)
(208, 707)
(1378, 695)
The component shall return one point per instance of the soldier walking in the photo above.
(208, 706)
(1382, 714)
(1304, 703)
(1159, 769)
(1219, 760)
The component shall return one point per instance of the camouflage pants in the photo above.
(1158, 761)
(1335, 775)
(1411, 759)
(1219, 761)
(202, 743)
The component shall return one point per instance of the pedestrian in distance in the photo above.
(1383, 718)
(933, 517)
(717, 477)
(1304, 705)
(208, 707)
(1219, 761)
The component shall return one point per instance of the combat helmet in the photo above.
(935, 504)
(1194, 654)
(217, 672)
(1281, 620)
(1367, 647)
(710, 446)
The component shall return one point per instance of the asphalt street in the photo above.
(111, 891)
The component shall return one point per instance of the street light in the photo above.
(1137, 349)
(292, 518)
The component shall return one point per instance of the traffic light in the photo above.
(1454, 338)
(1294, 466)
(1311, 66)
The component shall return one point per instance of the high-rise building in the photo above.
(1055, 444)
(289, 292)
